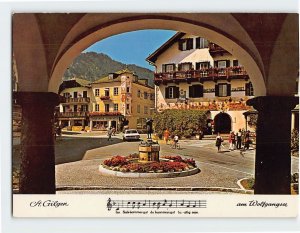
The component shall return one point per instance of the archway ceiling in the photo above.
(263, 29)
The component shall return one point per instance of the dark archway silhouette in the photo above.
(222, 123)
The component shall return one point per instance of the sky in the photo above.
(132, 47)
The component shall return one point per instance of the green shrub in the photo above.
(185, 123)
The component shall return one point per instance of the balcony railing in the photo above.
(105, 97)
(77, 100)
(72, 114)
(207, 74)
(214, 48)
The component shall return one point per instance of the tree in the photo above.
(185, 123)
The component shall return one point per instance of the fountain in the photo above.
(148, 164)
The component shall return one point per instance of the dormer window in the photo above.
(185, 44)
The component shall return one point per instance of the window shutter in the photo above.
(167, 93)
(179, 67)
(191, 91)
(190, 43)
(247, 89)
(217, 90)
(200, 91)
(176, 92)
(235, 62)
(228, 89)
(205, 43)
(198, 43)
(163, 68)
(180, 45)
(174, 67)
(190, 65)
(215, 63)
(227, 63)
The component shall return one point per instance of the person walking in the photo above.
(239, 139)
(219, 141)
(232, 141)
(166, 136)
(247, 140)
(176, 139)
(109, 133)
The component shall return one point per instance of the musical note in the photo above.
(150, 204)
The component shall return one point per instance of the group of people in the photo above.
(240, 140)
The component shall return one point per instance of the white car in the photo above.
(131, 134)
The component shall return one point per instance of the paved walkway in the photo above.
(85, 173)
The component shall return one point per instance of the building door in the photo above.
(222, 123)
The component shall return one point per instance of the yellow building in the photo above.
(120, 99)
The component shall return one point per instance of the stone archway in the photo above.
(222, 123)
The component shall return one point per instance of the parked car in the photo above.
(131, 134)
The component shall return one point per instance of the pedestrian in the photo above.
(239, 139)
(113, 131)
(166, 136)
(149, 128)
(232, 141)
(247, 140)
(176, 140)
(219, 141)
(109, 133)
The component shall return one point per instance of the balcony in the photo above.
(105, 114)
(214, 49)
(208, 74)
(105, 98)
(77, 100)
(72, 114)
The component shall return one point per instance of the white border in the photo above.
(117, 225)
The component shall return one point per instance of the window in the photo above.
(138, 109)
(201, 43)
(145, 95)
(84, 108)
(185, 66)
(116, 107)
(139, 93)
(168, 67)
(152, 96)
(235, 63)
(75, 108)
(145, 110)
(75, 94)
(222, 64)
(106, 91)
(249, 89)
(96, 107)
(202, 65)
(84, 94)
(127, 106)
(116, 91)
(66, 95)
(106, 107)
(127, 89)
(172, 92)
(196, 91)
(97, 92)
(223, 89)
(185, 44)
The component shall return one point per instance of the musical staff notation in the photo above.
(154, 204)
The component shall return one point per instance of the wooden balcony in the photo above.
(77, 100)
(214, 49)
(72, 114)
(209, 74)
(105, 98)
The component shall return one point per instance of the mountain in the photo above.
(92, 66)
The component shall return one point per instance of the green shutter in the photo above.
(167, 93)
(217, 90)
(163, 68)
(227, 63)
(191, 91)
(205, 43)
(176, 92)
(228, 89)
(180, 45)
(198, 43)
(215, 63)
(247, 89)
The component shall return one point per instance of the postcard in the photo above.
(188, 115)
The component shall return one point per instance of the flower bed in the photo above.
(167, 164)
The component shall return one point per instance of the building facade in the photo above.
(117, 100)
(193, 73)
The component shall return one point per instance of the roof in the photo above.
(152, 57)
(74, 82)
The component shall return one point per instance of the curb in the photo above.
(216, 189)
(239, 183)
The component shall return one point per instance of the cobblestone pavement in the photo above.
(217, 169)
